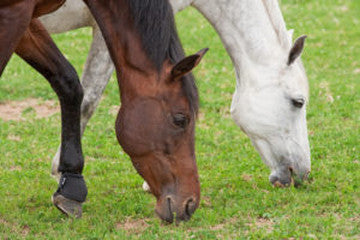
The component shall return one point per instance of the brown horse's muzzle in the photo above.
(170, 207)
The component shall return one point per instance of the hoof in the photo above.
(67, 206)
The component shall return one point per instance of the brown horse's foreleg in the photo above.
(97, 73)
(37, 48)
(15, 17)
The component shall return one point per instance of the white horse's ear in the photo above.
(297, 49)
(290, 33)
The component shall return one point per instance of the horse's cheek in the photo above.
(137, 131)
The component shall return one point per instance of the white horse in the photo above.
(269, 103)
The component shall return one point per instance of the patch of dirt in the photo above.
(225, 111)
(14, 138)
(201, 116)
(14, 110)
(25, 230)
(3, 222)
(217, 227)
(357, 71)
(202, 121)
(265, 191)
(325, 91)
(7, 225)
(114, 110)
(246, 177)
(220, 226)
(206, 200)
(319, 44)
(132, 225)
(343, 8)
(355, 219)
(262, 223)
(15, 168)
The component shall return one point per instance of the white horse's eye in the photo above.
(298, 102)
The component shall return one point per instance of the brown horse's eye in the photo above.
(180, 120)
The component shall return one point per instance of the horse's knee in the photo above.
(75, 92)
(69, 87)
(87, 108)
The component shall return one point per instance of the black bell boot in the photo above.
(71, 194)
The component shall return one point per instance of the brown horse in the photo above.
(159, 100)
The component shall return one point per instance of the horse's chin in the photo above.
(289, 176)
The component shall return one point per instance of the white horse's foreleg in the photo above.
(98, 70)
(97, 73)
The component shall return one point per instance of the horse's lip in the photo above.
(167, 215)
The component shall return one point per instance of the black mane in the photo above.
(155, 22)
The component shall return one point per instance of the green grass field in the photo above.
(237, 200)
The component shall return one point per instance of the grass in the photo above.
(237, 200)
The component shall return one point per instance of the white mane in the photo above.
(278, 23)
(285, 36)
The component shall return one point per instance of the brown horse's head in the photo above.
(159, 99)
(156, 128)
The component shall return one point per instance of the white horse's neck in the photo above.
(253, 32)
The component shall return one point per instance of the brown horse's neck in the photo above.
(132, 64)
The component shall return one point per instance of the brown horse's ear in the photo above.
(187, 64)
(297, 49)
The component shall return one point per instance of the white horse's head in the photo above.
(271, 110)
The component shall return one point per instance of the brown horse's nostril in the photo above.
(169, 203)
(190, 207)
